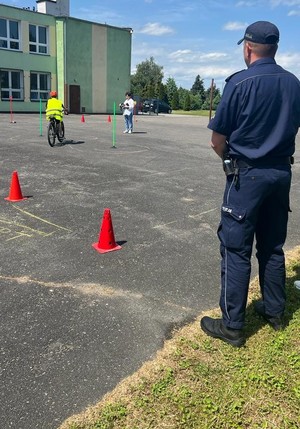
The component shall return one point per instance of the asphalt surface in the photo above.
(75, 322)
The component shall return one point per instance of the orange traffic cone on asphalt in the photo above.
(82, 118)
(106, 241)
(15, 193)
(109, 118)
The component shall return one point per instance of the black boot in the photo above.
(275, 321)
(215, 328)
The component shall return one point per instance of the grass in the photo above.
(199, 382)
(192, 112)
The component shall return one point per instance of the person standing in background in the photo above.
(127, 108)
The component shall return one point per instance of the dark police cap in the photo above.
(262, 32)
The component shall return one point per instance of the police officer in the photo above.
(254, 132)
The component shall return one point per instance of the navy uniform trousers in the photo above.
(256, 206)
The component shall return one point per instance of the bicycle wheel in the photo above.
(51, 134)
(61, 131)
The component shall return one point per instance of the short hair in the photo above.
(128, 93)
(263, 50)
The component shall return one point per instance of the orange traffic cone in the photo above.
(15, 193)
(106, 241)
(109, 118)
(82, 118)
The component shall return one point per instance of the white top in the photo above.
(129, 106)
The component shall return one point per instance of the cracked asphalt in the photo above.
(75, 322)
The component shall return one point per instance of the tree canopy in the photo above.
(147, 79)
(147, 82)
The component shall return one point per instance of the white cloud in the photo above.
(247, 3)
(276, 3)
(180, 53)
(155, 29)
(289, 61)
(232, 26)
(188, 56)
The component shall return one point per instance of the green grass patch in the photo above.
(196, 382)
(192, 112)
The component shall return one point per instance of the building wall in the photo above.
(59, 84)
(99, 68)
(23, 59)
(118, 66)
(79, 59)
(94, 57)
(98, 60)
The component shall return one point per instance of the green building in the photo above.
(45, 49)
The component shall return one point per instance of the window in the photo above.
(39, 86)
(38, 39)
(9, 34)
(11, 83)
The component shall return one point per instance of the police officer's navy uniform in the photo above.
(253, 98)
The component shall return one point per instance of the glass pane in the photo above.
(32, 33)
(15, 80)
(43, 82)
(34, 95)
(14, 45)
(16, 95)
(14, 30)
(4, 79)
(33, 81)
(3, 29)
(43, 49)
(3, 43)
(44, 95)
(32, 48)
(4, 95)
(42, 35)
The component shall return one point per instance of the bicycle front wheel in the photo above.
(51, 134)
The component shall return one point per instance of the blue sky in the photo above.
(191, 37)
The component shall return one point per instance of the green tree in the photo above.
(175, 101)
(187, 102)
(147, 79)
(206, 103)
(198, 89)
(162, 92)
(172, 93)
(182, 92)
(196, 103)
(216, 97)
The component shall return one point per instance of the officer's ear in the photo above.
(248, 48)
(247, 52)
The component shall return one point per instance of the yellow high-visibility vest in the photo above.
(54, 108)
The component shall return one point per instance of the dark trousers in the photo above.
(257, 205)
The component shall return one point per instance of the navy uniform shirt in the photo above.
(259, 112)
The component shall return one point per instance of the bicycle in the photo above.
(55, 129)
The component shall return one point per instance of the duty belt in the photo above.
(240, 163)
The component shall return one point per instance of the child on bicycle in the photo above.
(55, 107)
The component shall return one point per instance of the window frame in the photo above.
(37, 44)
(8, 39)
(10, 89)
(38, 90)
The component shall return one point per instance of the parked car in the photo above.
(156, 106)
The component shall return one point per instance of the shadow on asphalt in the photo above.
(71, 142)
